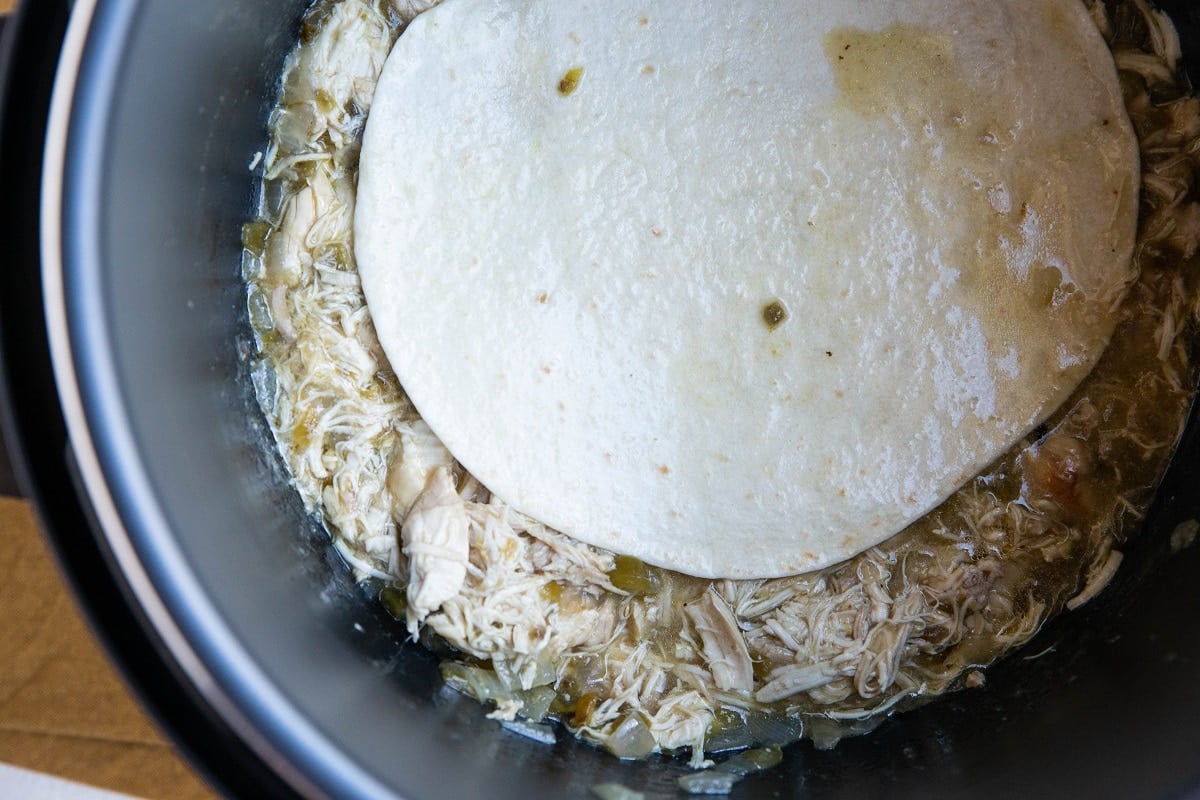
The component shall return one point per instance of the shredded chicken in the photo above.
(1099, 577)
(435, 539)
(724, 647)
(410, 8)
(420, 454)
(637, 659)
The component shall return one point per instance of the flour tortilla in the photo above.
(579, 224)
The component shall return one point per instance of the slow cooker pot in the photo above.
(132, 423)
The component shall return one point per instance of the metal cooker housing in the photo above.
(133, 425)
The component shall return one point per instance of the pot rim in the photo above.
(207, 655)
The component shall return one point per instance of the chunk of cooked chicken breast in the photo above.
(434, 536)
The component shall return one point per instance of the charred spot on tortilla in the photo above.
(774, 314)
